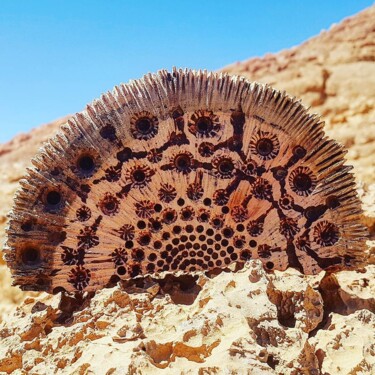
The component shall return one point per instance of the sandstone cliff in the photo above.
(248, 321)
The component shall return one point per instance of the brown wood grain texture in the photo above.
(183, 172)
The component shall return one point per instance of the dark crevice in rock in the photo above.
(333, 302)
(183, 289)
(272, 361)
(285, 310)
(71, 303)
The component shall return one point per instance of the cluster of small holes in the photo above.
(185, 238)
(190, 234)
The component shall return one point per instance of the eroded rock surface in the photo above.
(274, 324)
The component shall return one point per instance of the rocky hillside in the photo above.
(334, 73)
(284, 323)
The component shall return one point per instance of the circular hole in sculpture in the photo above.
(31, 256)
(53, 198)
(86, 164)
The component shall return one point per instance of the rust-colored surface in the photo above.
(196, 171)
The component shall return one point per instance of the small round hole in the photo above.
(225, 209)
(224, 242)
(226, 166)
(206, 149)
(86, 164)
(27, 227)
(156, 225)
(121, 270)
(143, 125)
(55, 172)
(129, 244)
(158, 245)
(31, 256)
(204, 216)
(245, 254)
(176, 229)
(109, 133)
(303, 182)
(180, 202)
(207, 201)
(204, 125)
(152, 257)
(253, 243)
(182, 162)
(189, 228)
(186, 214)
(280, 173)
(158, 207)
(145, 239)
(110, 206)
(169, 216)
(233, 256)
(240, 228)
(166, 236)
(264, 146)
(228, 232)
(53, 198)
(141, 224)
(230, 249)
(184, 238)
(139, 175)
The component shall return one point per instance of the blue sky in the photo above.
(56, 56)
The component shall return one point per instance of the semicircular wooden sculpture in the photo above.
(184, 171)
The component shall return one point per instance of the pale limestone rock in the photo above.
(347, 345)
(298, 302)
